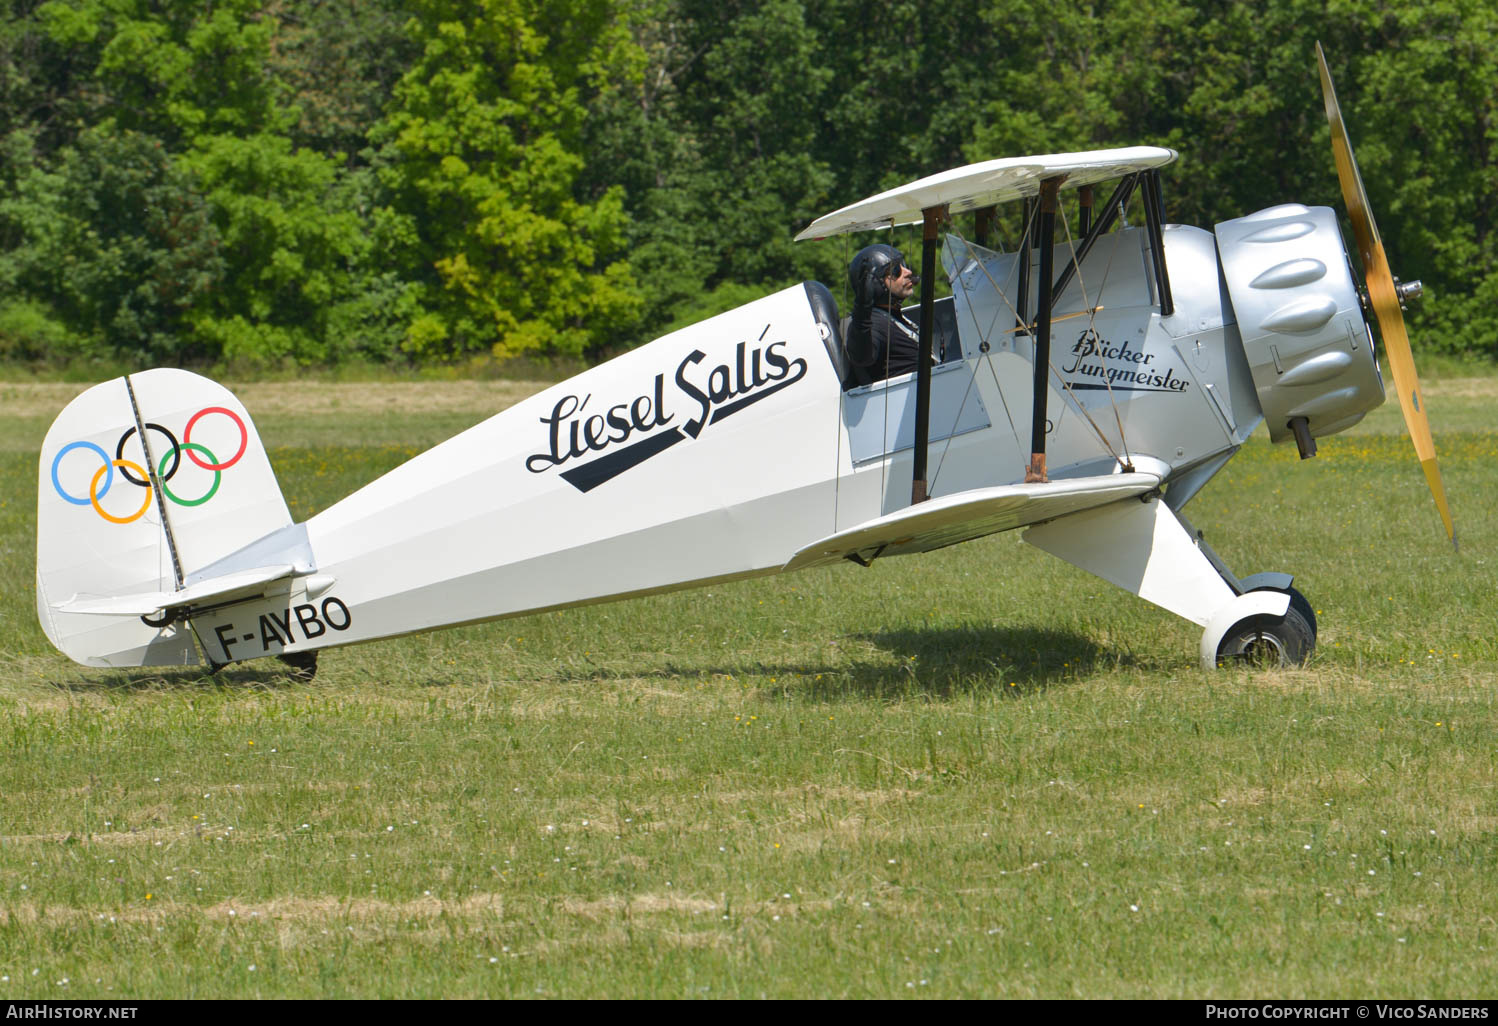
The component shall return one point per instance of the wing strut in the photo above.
(1022, 290)
(984, 221)
(1154, 215)
(932, 217)
(1098, 227)
(1049, 189)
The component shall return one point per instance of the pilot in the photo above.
(882, 342)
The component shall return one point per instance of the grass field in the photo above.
(975, 773)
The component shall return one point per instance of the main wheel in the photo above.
(1269, 640)
(1300, 604)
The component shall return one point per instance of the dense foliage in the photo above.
(262, 181)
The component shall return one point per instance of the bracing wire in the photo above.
(1088, 307)
(1123, 461)
(1082, 285)
(985, 349)
(985, 346)
(1064, 384)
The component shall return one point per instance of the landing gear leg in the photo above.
(1142, 546)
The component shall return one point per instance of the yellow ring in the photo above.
(93, 493)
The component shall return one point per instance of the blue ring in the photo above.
(108, 465)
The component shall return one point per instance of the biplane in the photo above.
(1082, 386)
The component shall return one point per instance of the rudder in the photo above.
(143, 482)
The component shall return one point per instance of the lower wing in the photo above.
(971, 514)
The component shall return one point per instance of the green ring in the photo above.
(218, 475)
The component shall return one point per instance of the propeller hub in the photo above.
(1408, 290)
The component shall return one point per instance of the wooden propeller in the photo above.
(1383, 295)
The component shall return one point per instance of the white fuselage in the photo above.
(720, 450)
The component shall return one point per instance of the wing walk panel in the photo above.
(971, 514)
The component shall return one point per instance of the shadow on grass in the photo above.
(941, 662)
(934, 662)
(268, 677)
(930, 662)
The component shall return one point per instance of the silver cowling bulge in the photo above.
(1300, 318)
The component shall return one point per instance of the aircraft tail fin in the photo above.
(146, 485)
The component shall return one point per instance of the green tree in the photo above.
(288, 244)
(340, 60)
(39, 80)
(485, 154)
(296, 245)
(1421, 101)
(713, 137)
(118, 241)
(175, 70)
(497, 175)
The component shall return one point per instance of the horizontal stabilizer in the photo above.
(243, 584)
(971, 514)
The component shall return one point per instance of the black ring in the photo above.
(119, 454)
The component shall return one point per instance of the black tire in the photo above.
(1268, 641)
(300, 666)
(1300, 604)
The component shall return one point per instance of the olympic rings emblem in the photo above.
(103, 478)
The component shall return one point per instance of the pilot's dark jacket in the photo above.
(882, 343)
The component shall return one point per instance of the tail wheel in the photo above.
(1269, 641)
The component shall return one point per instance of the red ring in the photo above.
(244, 438)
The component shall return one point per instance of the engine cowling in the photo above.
(1300, 318)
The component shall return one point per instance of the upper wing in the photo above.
(972, 514)
(981, 185)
